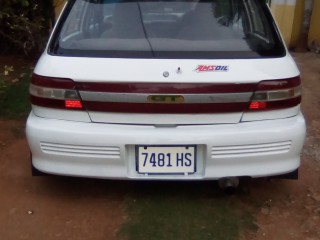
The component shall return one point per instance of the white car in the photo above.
(178, 90)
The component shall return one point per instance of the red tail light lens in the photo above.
(54, 93)
(276, 94)
(73, 104)
(258, 105)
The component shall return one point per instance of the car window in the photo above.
(73, 23)
(168, 29)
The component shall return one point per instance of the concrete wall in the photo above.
(314, 31)
(58, 4)
(297, 23)
(289, 16)
(292, 17)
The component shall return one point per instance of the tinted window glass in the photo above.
(167, 29)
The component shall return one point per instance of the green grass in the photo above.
(14, 99)
(182, 211)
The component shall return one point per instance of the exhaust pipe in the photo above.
(229, 184)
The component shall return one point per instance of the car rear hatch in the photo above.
(159, 92)
(162, 63)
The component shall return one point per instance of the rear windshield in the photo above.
(167, 29)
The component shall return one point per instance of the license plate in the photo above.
(166, 159)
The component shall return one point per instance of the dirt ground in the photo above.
(72, 208)
(51, 207)
(291, 209)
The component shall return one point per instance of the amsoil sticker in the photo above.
(211, 68)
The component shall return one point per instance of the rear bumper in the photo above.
(254, 149)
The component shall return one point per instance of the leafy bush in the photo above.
(24, 25)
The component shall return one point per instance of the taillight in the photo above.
(54, 93)
(276, 94)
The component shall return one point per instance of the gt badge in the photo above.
(167, 99)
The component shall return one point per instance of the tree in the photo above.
(24, 25)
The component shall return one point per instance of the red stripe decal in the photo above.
(279, 84)
(165, 108)
(166, 88)
(51, 82)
